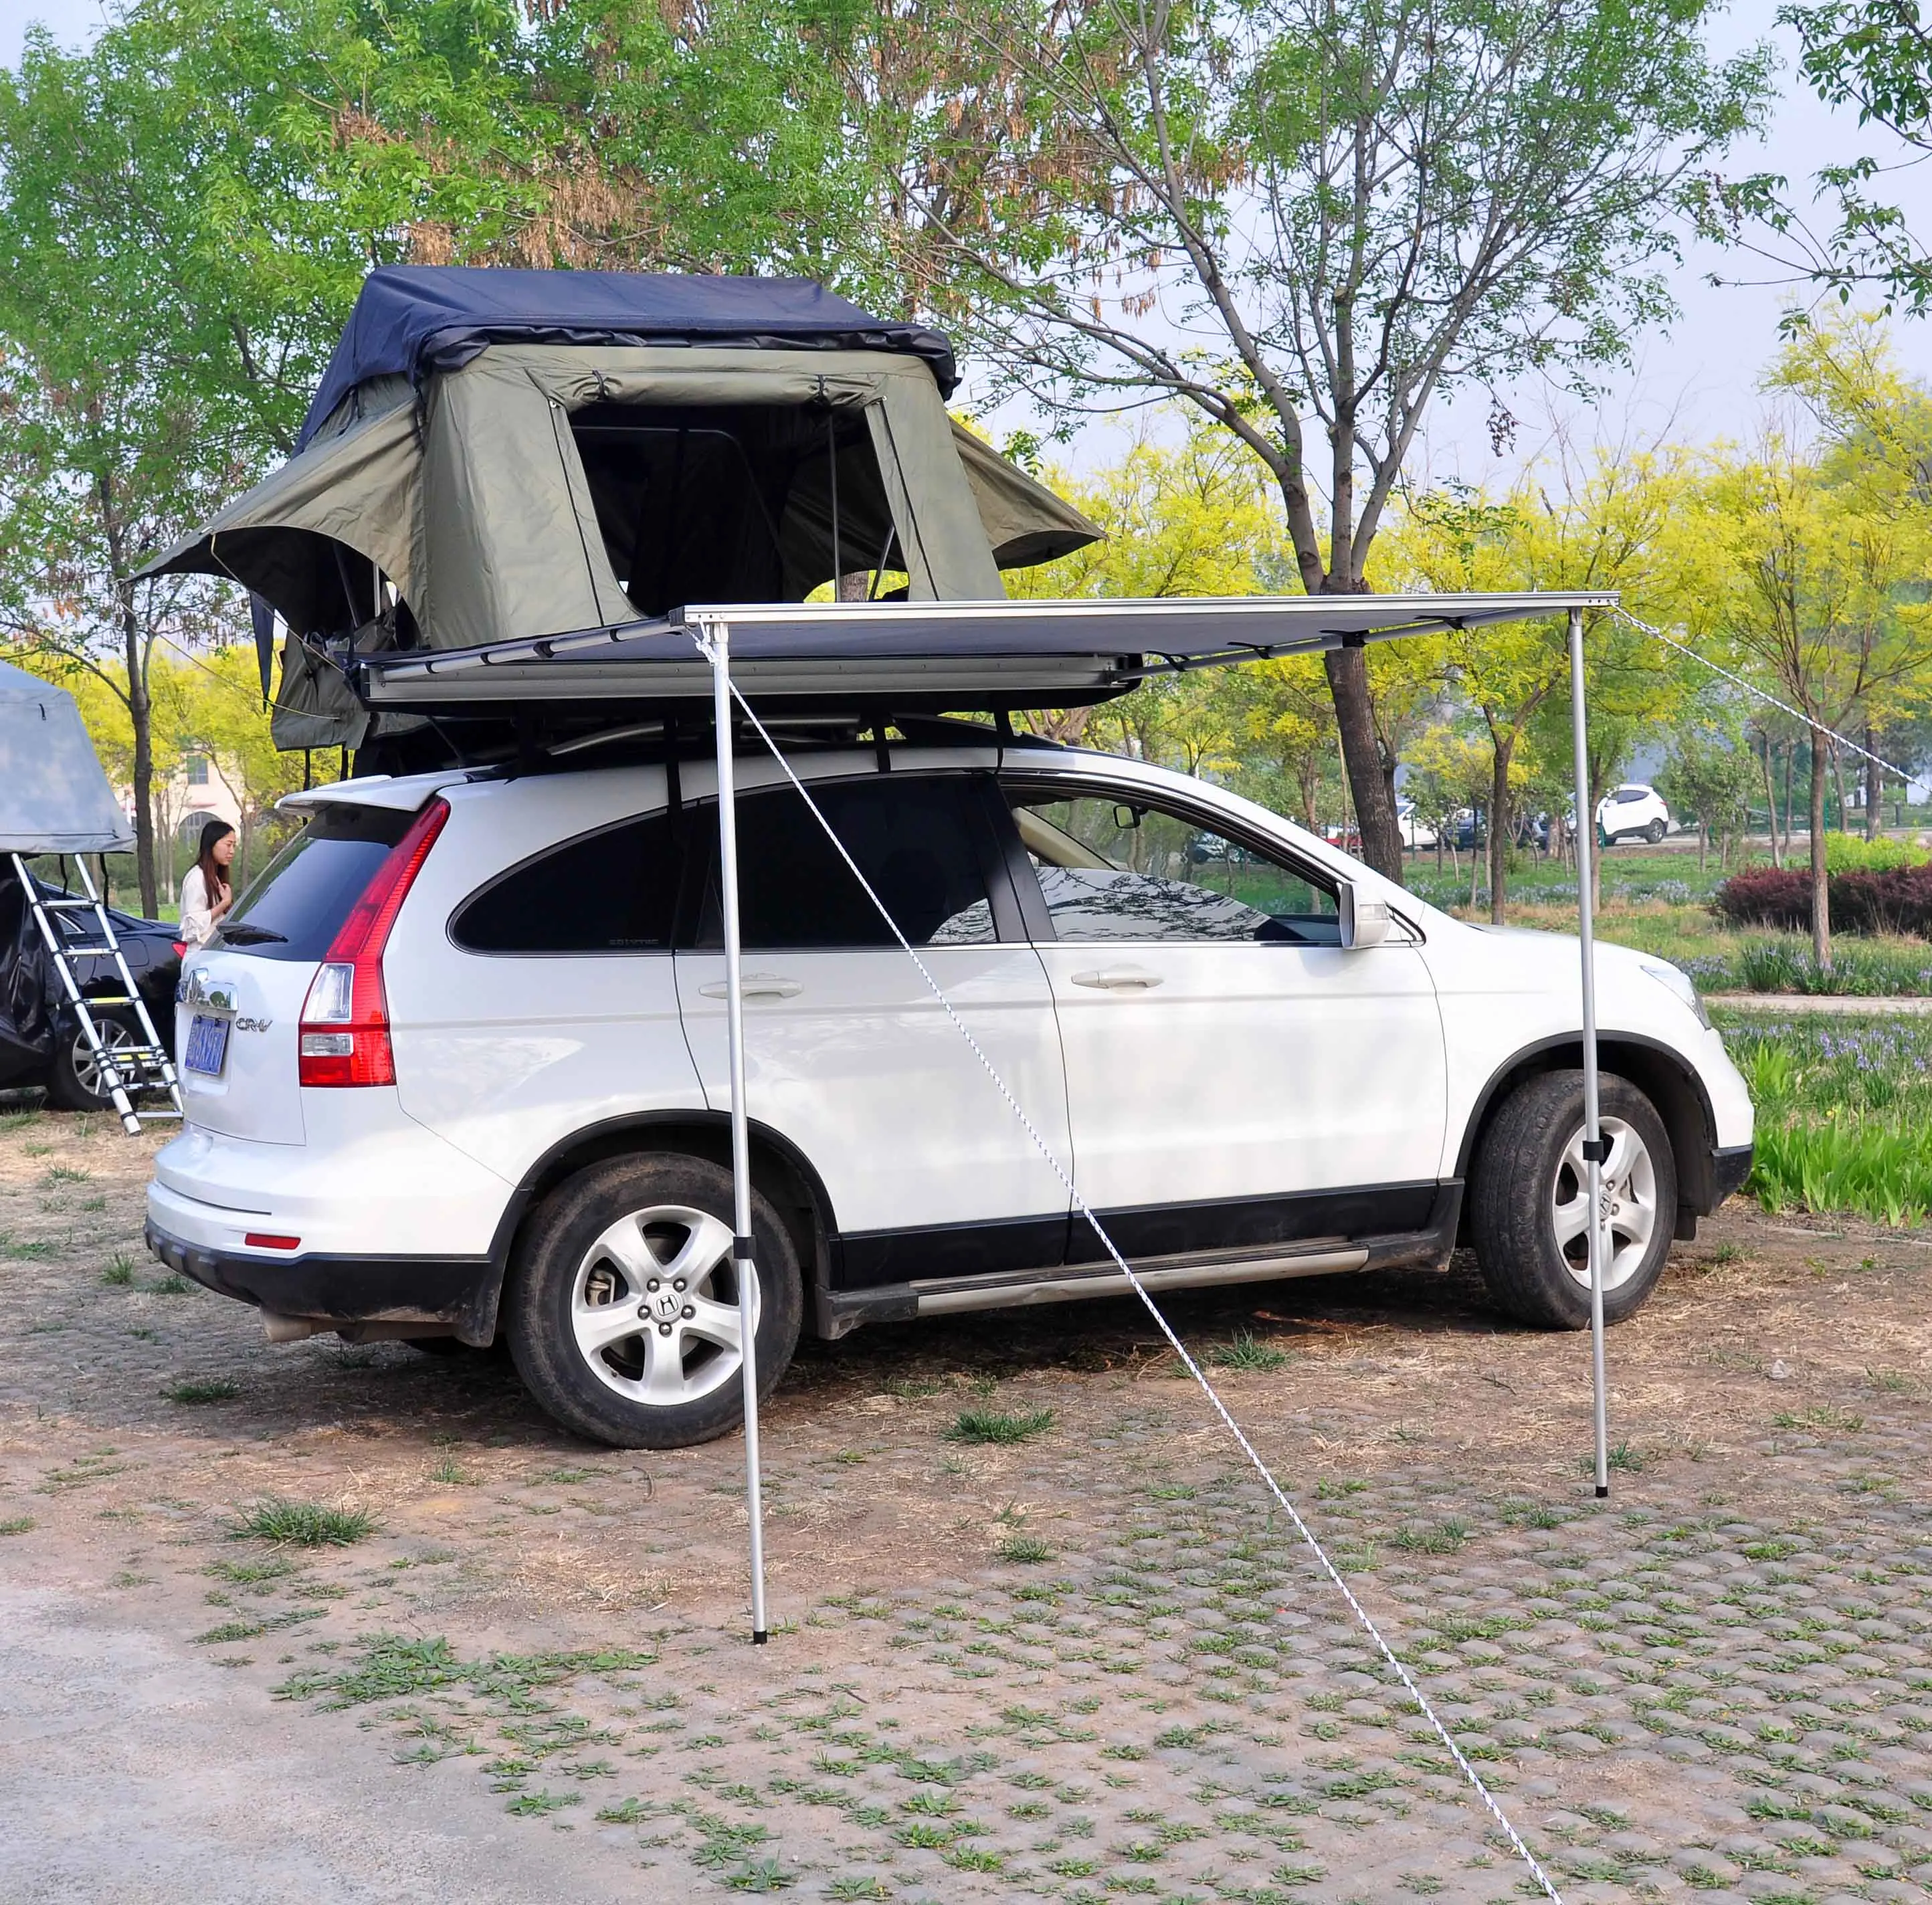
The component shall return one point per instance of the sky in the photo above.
(1696, 382)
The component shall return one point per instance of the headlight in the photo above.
(1679, 982)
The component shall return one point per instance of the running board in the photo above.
(841, 1311)
(938, 1296)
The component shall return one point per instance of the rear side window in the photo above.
(614, 891)
(918, 843)
(294, 910)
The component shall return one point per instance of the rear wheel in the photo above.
(76, 1080)
(1653, 832)
(622, 1315)
(1529, 1207)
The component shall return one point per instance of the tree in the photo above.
(1820, 540)
(1597, 520)
(1875, 56)
(1307, 219)
(1709, 777)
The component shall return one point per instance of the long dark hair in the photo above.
(213, 832)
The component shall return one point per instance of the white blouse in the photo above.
(197, 926)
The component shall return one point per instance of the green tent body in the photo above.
(539, 487)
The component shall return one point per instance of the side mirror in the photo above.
(1365, 922)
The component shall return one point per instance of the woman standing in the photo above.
(206, 896)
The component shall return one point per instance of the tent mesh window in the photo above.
(731, 502)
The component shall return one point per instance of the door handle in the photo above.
(1119, 978)
(756, 985)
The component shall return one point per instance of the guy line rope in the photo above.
(1166, 1329)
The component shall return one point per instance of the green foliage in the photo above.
(1844, 1113)
(1850, 852)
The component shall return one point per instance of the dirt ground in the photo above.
(1092, 1665)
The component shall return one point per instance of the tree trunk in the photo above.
(1372, 790)
(1475, 861)
(1838, 776)
(1770, 801)
(1500, 752)
(1703, 844)
(1821, 904)
(1874, 786)
(140, 716)
(1790, 759)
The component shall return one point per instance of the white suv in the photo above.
(456, 1066)
(1633, 812)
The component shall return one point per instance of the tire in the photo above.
(1655, 832)
(1527, 1214)
(74, 1079)
(661, 1212)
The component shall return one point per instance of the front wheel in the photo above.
(622, 1314)
(1529, 1208)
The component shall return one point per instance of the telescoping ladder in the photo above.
(128, 1066)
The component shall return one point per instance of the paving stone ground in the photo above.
(1092, 1665)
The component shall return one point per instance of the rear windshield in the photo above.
(294, 910)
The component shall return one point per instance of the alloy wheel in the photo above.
(654, 1307)
(1629, 1205)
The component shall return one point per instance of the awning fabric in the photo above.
(962, 654)
(54, 794)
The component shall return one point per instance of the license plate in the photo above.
(207, 1044)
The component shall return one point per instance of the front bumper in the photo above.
(1730, 1165)
(458, 1292)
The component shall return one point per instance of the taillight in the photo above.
(344, 1038)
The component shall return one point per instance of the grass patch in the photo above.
(120, 1272)
(301, 1524)
(1246, 1351)
(170, 1286)
(1027, 1548)
(996, 1426)
(391, 1666)
(18, 1524)
(1445, 1537)
(204, 1389)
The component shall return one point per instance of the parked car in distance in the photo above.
(1633, 811)
(41, 1042)
(456, 1065)
(1416, 832)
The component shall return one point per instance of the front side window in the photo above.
(1112, 867)
(918, 843)
(614, 891)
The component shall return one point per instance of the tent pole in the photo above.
(1594, 1147)
(719, 636)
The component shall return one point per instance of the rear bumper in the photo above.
(457, 1291)
(1730, 1165)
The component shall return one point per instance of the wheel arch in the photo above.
(779, 1169)
(1659, 1072)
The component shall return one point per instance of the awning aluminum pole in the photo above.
(718, 636)
(1594, 1148)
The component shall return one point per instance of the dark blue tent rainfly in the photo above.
(413, 318)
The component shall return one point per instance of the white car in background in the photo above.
(1416, 832)
(1633, 811)
(455, 1066)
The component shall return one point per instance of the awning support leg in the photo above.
(1594, 1149)
(718, 641)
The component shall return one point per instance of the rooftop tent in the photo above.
(54, 796)
(497, 454)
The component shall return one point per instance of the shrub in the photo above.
(1846, 853)
(1894, 900)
